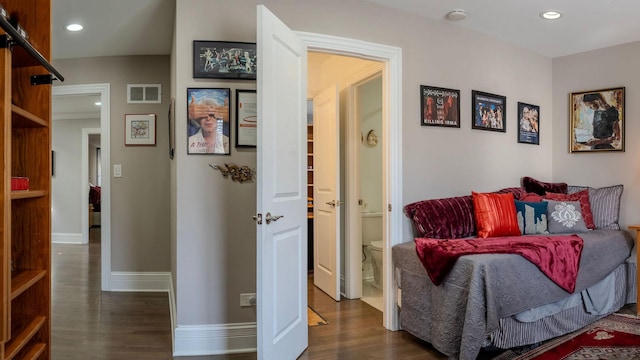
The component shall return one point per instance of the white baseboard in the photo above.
(62, 238)
(140, 281)
(172, 311)
(195, 340)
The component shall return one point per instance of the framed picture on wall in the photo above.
(246, 118)
(529, 123)
(224, 60)
(439, 106)
(140, 130)
(489, 111)
(597, 120)
(208, 121)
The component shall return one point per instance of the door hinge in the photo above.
(258, 218)
(389, 207)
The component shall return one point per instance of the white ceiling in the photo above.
(144, 27)
(68, 107)
(585, 25)
(112, 27)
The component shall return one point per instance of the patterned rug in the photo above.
(314, 319)
(615, 337)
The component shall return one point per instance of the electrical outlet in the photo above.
(248, 299)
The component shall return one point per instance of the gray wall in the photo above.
(599, 69)
(140, 207)
(215, 236)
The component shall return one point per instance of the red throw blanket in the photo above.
(558, 257)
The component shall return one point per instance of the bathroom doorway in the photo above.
(368, 111)
(360, 84)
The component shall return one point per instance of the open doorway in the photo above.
(359, 84)
(73, 162)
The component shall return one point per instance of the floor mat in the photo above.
(314, 319)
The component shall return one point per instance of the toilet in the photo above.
(375, 248)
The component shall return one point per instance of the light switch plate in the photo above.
(117, 170)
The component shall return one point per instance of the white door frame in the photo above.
(104, 90)
(84, 182)
(391, 149)
(353, 211)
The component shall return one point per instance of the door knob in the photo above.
(269, 218)
(331, 203)
(258, 218)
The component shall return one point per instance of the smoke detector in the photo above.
(457, 15)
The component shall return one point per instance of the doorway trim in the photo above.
(104, 90)
(353, 210)
(391, 56)
(84, 181)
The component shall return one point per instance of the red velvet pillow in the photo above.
(535, 186)
(531, 197)
(495, 214)
(585, 205)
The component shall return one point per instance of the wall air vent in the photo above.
(144, 93)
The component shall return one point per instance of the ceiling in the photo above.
(145, 27)
(585, 25)
(112, 28)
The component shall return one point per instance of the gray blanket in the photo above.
(456, 316)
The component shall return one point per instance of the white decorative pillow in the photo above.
(565, 217)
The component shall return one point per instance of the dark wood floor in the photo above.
(90, 324)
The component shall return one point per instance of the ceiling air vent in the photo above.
(144, 93)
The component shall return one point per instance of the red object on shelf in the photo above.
(19, 183)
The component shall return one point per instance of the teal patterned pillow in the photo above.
(532, 217)
(565, 217)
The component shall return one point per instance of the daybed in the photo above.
(504, 300)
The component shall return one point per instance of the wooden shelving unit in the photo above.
(310, 171)
(25, 216)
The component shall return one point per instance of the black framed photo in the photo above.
(439, 106)
(489, 111)
(529, 124)
(224, 60)
(246, 118)
(208, 119)
(597, 120)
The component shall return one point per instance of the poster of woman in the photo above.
(528, 124)
(208, 130)
(597, 120)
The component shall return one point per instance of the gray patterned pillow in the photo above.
(565, 217)
(605, 205)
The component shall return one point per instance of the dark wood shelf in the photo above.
(27, 194)
(23, 280)
(22, 338)
(24, 119)
(35, 351)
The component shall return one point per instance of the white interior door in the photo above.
(326, 192)
(281, 190)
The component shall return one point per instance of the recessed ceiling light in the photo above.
(74, 27)
(551, 15)
(98, 103)
(457, 15)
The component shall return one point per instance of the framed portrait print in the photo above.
(208, 121)
(439, 106)
(246, 118)
(597, 120)
(140, 130)
(224, 60)
(489, 111)
(528, 124)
